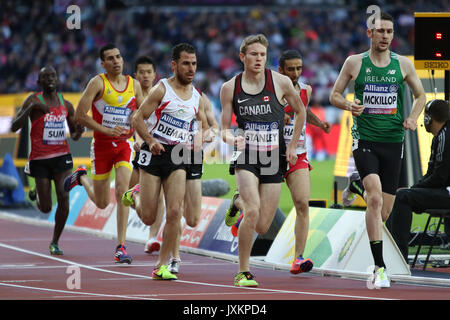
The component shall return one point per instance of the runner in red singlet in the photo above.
(50, 157)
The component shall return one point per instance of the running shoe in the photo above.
(235, 227)
(245, 279)
(152, 245)
(55, 250)
(301, 265)
(121, 255)
(127, 197)
(354, 187)
(74, 179)
(231, 215)
(162, 273)
(32, 194)
(381, 279)
(174, 266)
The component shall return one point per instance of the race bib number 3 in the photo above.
(144, 157)
(380, 98)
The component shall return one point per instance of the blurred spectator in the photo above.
(34, 34)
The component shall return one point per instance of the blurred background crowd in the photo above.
(34, 34)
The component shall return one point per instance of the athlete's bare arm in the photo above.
(211, 120)
(293, 99)
(313, 119)
(202, 135)
(148, 106)
(76, 130)
(93, 90)
(31, 104)
(415, 84)
(348, 72)
(226, 100)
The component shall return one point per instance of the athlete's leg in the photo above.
(154, 228)
(123, 174)
(193, 202)
(62, 209)
(248, 186)
(299, 186)
(174, 190)
(147, 205)
(97, 190)
(388, 204)
(44, 194)
(374, 201)
(269, 194)
(192, 206)
(134, 179)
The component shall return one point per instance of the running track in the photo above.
(28, 272)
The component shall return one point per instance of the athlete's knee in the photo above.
(251, 215)
(45, 207)
(262, 228)
(302, 207)
(374, 200)
(192, 221)
(173, 213)
(120, 190)
(148, 220)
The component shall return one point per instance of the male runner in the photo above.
(194, 172)
(50, 157)
(113, 98)
(260, 160)
(297, 176)
(145, 73)
(169, 109)
(378, 126)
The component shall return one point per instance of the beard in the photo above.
(183, 80)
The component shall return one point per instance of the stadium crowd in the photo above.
(34, 34)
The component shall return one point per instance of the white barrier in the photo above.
(337, 240)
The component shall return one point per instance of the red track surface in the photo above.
(28, 272)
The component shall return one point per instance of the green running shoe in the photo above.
(245, 279)
(231, 215)
(127, 197)
(162, 273)
(55, 250)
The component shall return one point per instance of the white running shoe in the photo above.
(381, 279)
(174, 265)
(348, 197)
(152, 245)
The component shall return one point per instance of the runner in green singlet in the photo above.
(378, 127)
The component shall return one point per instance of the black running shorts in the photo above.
(381, 158)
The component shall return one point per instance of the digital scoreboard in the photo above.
(432, 40)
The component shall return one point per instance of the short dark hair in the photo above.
(106, 47)
(176, 50)
(144, 60)
(386, 16)
(439, 110)
(288, 55)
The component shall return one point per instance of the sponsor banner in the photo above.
(337, 240)
(94, 218)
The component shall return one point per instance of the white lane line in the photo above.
(77, 293)
(72, 263)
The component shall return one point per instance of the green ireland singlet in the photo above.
(380, 90)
